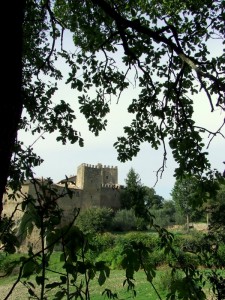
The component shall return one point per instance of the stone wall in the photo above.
(94, 185)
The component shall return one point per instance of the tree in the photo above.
(187, 194)
(214, 208)
(165, 215)
(133, 197)
(12, 108)
(162, 47)
(166, 50)
(165, 44)
(31, 107)
(152, 200)
(139, 198)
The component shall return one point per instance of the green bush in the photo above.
(9, 263)
(149, 240)
(124, 220)
(157, 258)
(112, 257)
(95, 219)
(163, 217)
(109, 247)
(103, 242)
(221, 254)
(167, 279)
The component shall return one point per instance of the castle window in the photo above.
(107, 177)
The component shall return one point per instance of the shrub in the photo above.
(157, 258)
(110, 247)
(221, 254)
(167, 279)
(95, 219)
(9, 264)
(163, 217)
(149, 240)
(112, 257)
(103, 242)
(124, 220)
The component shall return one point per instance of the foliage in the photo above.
(152, 200)
(43, 213)
(9, 263)
(187, 194)
(133, 196)
(215, 208)
(124, 220)
(8, 238)
(167, 279)
(134, 251)
(162, 48)
(95, 219)
(164, 217)
(103, 241)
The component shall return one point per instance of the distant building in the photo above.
(93, 186)
(96, 185)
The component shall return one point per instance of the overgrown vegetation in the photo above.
(90, 248)
(188, 249)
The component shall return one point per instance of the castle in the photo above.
(93, 186)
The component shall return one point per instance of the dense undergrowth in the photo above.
(162, 270)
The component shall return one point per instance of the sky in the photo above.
(63, 160)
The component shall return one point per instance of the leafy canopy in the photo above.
(165, 47)
(133, 197)
(161, 48)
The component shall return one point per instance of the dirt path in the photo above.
(19, 293)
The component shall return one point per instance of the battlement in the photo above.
(92, 176)
(112, 186)
(98, 166)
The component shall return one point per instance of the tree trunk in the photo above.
(188, 222)
(11, 106)
(207, 220)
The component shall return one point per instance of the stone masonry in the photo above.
(93, 186)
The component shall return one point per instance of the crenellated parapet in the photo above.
(98, 166)
(112, 186)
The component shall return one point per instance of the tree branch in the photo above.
(158, 37)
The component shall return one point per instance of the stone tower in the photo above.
(91, 179)
(94, 176)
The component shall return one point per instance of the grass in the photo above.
(144, 289)
(115, 283)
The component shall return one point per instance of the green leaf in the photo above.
(40, 280)
(101, 278)
(52, 285)
(29, 269)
